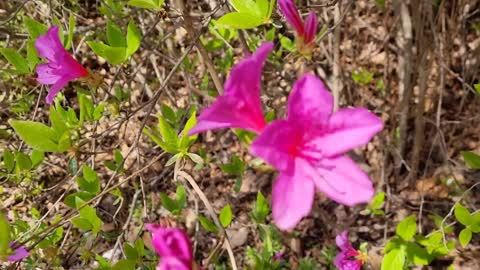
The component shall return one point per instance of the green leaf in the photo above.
(98, 112)
(9, 160)
(235, 167)
(407, 228)
(173, 159)
(32, 56)
(124, 265)
(181, 197)
(463, 215)
(57, 121)
(114, 55)
(261, 209)
(377, 201)
(70, 200)
(472, 159)
(465, 236)
(265, 7)
(287, 43)
(185, 140)
(168, 113)
(168, 134)
(417, 254)
(115, 36)
(36, 135)
(16, 59)
(4, 236)
(134, 37)
(140, 247)
(226, 216)
(152, 4)
(23, 161)
(169, 204)
(34, 28)
(82, 224)
(394, 260)
(477, 87)
(130, 252)
(71, 29)
(195, 158)
(247, 6)
(90, 214)
(207, 224)
(239, 20)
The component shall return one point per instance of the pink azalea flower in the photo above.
(173, 246)
(240, 105)
(348, 258)
(307, 149)
(60, 68)
(18, 254)
(307, 31)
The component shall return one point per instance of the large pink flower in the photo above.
(173, 246)
(60, 67)
(240, 105)
(307, 31)
(348, 258)
(307, 149)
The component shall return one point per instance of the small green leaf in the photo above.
(246, 6)
(261, 209)
(465, 236)
(124, 265)
(207, 224)
(134, 36)
(4, 236)
(239, 20)
(9, 160)
(181, 197)
(37, 157)
(34, 28)
(114, 55)
(286, 43)
(90, 214)
(463, 215)
(32, 56)
(407, 228)
(195, 158)
(477, 87)
(82, 224)
(151, 4)
(130, 252)
(169, 204)
(36, 135)
(71, 29)
(16, 59)
(377, 201)
(394, 260)
(57, 121)
(115, 36)
(235, 167)
(472, 159)
(417, 254)
(173, 159)
(226, 216)
(185, 140)
(23, 161)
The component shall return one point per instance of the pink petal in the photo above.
(343, 181)
(347, 129)
(72, 68)
(310, 101)
(170, 242)
(49, 45)
(19, 254)
(47, 73)
(240, 106)
(172, 263)
(311, 25)
(289, 10)
(342, 240)
(277, 144)
(55, 89)
(292, 198)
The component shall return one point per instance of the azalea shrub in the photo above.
(150, 134)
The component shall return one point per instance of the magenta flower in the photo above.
(305, 32)
(173, 246)
(240, 105)
(18, 254)
(60, 68)
(307, 149)
(348, 258)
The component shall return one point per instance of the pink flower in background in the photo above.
(307, 31)
(307, 149)
(173, 246)
(240, 106)
(60, 68)
(18, 254)
(348, 258)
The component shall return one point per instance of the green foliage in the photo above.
(362, 77)
(117, 163)
(120, 47)
(261, 209)
(407, 228)
(149, 4)
(40, 136)
(250, 14)
(16, 60)
(88, 220)
(264, 259)
(175, 206)
(4, 237)
(469, 220)
(235, 167)
(472, 159)
(375, 205)
(287, 43)
(207, 224)
(226, 215)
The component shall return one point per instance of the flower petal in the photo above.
(310, 101)
(292, 198)
(49, 45)
(19, 254)
(55, 89)
(342, 240)
(276, 144)
(170, 242)
(172, 263)
(47, 73)
(72, 68)
(311, 25)
(343, 181)
(289, 10)
(240, 106)
(347, 129)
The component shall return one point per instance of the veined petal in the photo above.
(292, 198)
(347, 129)
(311, 25)
(277, 145)
(289, 10)
(310, 101)
(55, 89)
(49, 45)
(240, 106)
(47, 74)
(343, 181)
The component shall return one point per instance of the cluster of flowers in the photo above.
(307, 147)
